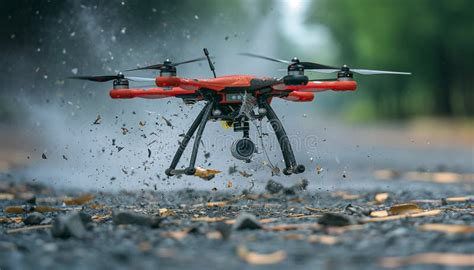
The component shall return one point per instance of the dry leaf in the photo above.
(11, 220)
(215, 235)
(30, 228)
(437, 177)
(165, 212)
(386, 174)
(229, 184)
(217, 204)
(79, 200)
(6, 196)
(260, 259)
(294, 236)
(381, 213)
(345, 196)
(293, 227)
(381, 197)
(178, 235)
(459, 199)
(447, 228)
(100, 218)
(323, 239)
(15, 209)
(446, 259)
(406, 208)
(206, 174)
(412, 215)
(209, 219)
(45, 209)
(317, 210)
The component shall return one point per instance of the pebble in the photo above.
(331, 219)
(246, 221)
(273, 187)
(34, 218)
(136, 219)
(69, 226)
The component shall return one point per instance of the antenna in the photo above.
(211, 66)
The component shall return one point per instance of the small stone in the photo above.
(136, 219)
(331, 219)
(297, 188)
(69, 226)
(273, 187)
(225, 230)
(34, 218)
(356, 210)
(246, 221)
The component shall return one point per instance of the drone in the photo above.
(236, 100)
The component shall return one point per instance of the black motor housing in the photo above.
(295, 79)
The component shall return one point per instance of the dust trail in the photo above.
(82, 154)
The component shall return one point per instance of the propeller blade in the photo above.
(157, 66)
(140, 79)
(105, 78)
(265, 57)
(324, 70)
(312, 65)
(378, 72)
(190, 61)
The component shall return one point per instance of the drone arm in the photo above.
(299, 96)
(319, 86)
(152, 93)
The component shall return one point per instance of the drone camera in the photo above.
(243, 149)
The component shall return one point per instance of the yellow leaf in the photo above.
(381, 213)
(217, 204)
(344, 195)
(205, 173)
(293, 227)
(79, 200)
(178, 235)
(459, 199)
(6, 196)
(447, 228)
(209, 219)
(412, 215)
(260, 259)
(445, 259)
(165, 212)
(381, 197)
(323, 239)
(386, 174)
(406, 208)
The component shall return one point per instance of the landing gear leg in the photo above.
(190, 170)
(287, 151)
(172, 168)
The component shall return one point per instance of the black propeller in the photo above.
(168, 63)
(359, 71)
(107, 78)
(294, 61)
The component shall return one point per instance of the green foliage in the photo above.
(432, 39)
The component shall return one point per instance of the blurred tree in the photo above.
(432, 39)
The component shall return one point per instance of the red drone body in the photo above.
(236, 99)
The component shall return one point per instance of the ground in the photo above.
(356, 223)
